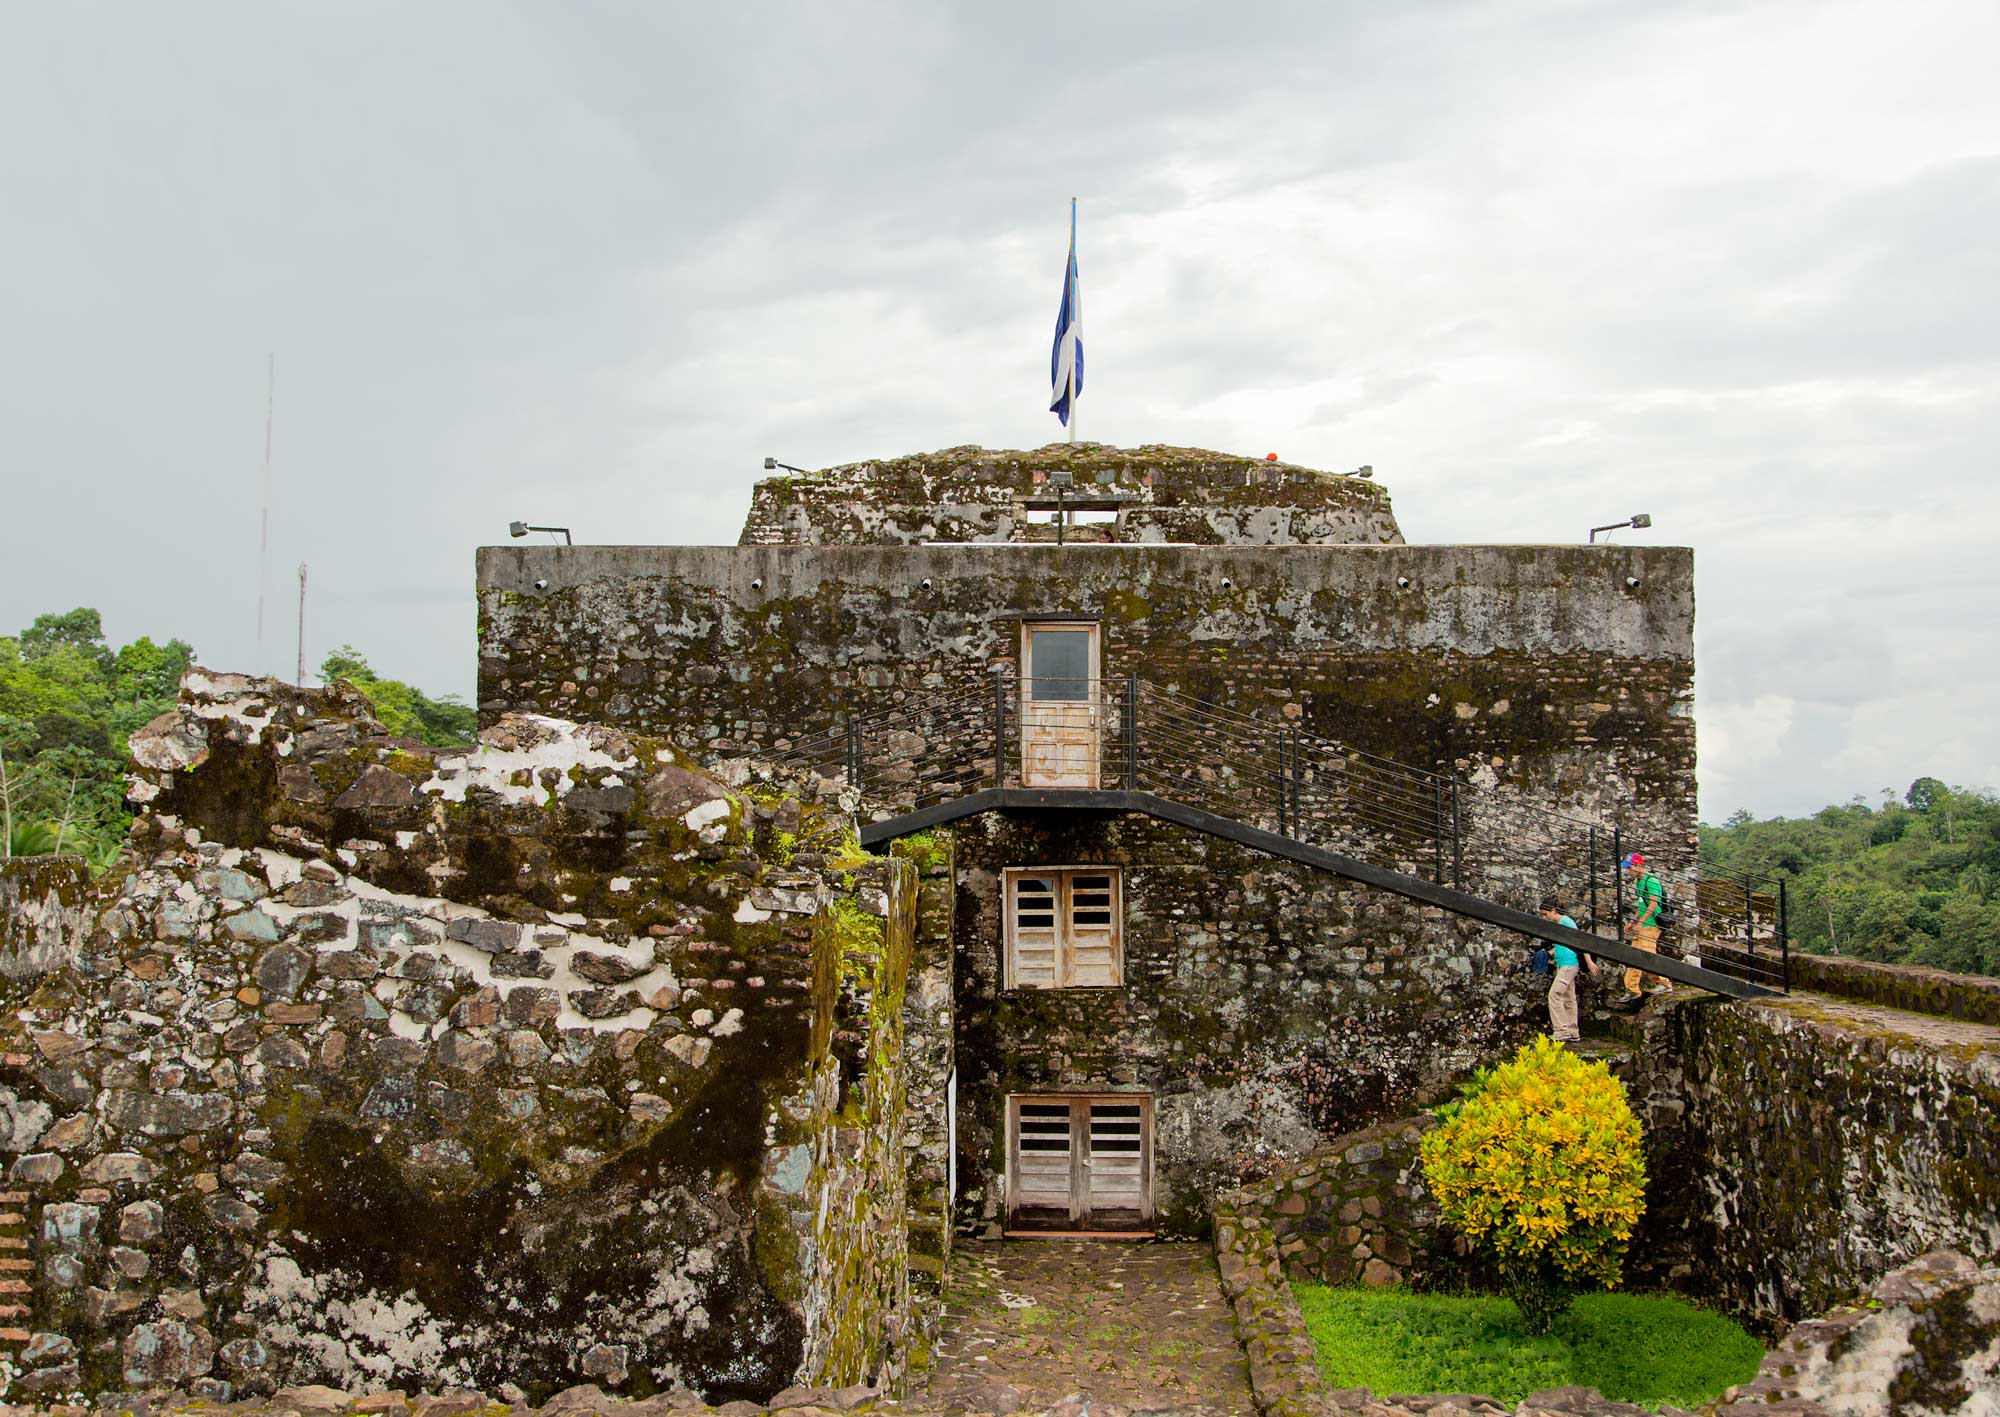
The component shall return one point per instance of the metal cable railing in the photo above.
(1063, 732)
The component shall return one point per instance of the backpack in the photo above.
(1666, 916)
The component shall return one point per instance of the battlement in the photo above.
(1148, 494)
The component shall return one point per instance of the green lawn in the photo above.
(1642, 1348)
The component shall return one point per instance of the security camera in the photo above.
(1402, 583)
(1631, 582)
(1227, 583)
(757, 583)
(927, 582)
(541, 585)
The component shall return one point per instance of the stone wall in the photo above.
(42, 913)
(929, 1066)
(1537, 672)
(547, 1061)
(1797, 1149)
(1150, 494)
(1354, 1211)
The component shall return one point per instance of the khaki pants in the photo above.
(1647, 938)
(1562, 1005)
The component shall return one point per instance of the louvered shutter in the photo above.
(1035, 933)
(1091, 901)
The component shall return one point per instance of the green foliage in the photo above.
(1648, 1349)
(1908, 882)
(68, 701)
(408, 712)
(1541, 1164)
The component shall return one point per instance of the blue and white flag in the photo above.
(1066, 358)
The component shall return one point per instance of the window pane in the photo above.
(1059, 665)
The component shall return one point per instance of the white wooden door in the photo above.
(1080, 1163)
(1061, 705)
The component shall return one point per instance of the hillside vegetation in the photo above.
(69, 701)
(1907, 882)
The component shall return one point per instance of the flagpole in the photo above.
(1075, 316)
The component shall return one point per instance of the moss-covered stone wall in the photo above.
(1564, 674)
(552, 1060)
(1149, 494)
(1798, 1149)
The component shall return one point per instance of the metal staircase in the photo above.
(1470, 848)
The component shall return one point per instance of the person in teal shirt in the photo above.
(1562, 990)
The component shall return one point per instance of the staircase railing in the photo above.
(1473, 835)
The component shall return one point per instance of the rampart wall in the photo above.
(551, 1061)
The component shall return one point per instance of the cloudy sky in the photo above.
(1542, 264)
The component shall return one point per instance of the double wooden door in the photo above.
(1080, 1162)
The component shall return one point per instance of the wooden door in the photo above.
(1080, 1163)
(1061, 705)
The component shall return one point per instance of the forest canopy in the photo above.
(1909, 881)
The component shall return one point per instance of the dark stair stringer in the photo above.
(1016, 799)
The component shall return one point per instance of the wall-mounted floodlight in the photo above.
(1637, 519)
(1365, 470)
(522, 529)
(772, 465)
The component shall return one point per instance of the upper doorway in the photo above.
(1061, 704)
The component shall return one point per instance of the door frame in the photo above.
(1092, 703)
(1079, 1213)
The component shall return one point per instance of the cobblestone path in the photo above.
(1141, 1325)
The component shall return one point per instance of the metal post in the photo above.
(853, 752)
(1784, 938)
(1749, 922)
(1284, 781)
(1132, 732)
(1062, 514)
(1618, 880)
(999, 727)
(1593, 880)
(1457, 843)
(1298, 778)
(1437, 831)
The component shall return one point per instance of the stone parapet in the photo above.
(1974, 998)
(550, 1059)
(1149, 494)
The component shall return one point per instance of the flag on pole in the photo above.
(1066, 358)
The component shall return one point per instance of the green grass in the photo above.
(1642, 1348)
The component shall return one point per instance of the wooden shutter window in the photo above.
(1093, 929)
(1063, 928)
(1032, 931)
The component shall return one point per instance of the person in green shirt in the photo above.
(1647, 897)
(1562, 990)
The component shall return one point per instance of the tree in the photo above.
(409, 712)
(1541, 1164)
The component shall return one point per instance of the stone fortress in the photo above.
(668, 1039)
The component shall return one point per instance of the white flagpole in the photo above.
(1075, 317)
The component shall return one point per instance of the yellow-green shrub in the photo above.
(1541, 1165)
